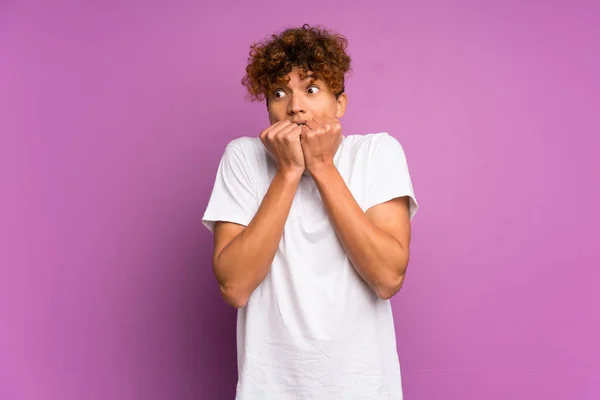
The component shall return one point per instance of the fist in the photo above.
(321, 138)
(282, 142)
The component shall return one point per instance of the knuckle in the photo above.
(283, 132)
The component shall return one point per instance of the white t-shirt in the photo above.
(313, 329)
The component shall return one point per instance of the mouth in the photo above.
(300, 123)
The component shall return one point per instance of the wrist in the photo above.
(290, 174)
(322, 168)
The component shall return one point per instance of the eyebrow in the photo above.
(312, 78)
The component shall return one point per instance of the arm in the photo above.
(377, 242)
(243, 255)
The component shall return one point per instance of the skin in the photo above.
(376, 241)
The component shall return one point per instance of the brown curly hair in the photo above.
(309, 48)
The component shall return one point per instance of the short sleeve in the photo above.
(233, 198)
(388, 175)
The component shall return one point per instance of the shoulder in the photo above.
(246, 144)
(374, 143)
(248, 148)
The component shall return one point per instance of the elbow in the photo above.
(391, 284)
(390, 287)
(235, 298)
(230, 292)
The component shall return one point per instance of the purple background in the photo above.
(114, 115)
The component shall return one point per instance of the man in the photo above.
(311, 233)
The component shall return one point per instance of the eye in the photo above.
(279, 93)
(314, 89)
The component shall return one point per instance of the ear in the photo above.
(342, 101)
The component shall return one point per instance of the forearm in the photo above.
(377, 256)
(244, 263)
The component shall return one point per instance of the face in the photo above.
(301, 100)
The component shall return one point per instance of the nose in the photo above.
(296, 105)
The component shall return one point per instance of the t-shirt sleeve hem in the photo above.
(209, 220)
(413, 206)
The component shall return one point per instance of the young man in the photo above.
(312, 233)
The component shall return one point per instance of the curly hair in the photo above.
(312, 49)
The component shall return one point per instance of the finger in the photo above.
(289, 128)
(306, 130)
(264, 133)
(331, 124)
(271, 129)
(282, 125)
(312, 125)
(277, 128)
(293, 136)
(326, 119)
(334, 122)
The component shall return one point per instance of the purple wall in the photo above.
(114, 115)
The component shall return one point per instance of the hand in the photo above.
(282, 141)
(321, 138)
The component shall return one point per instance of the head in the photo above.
(300, 73)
